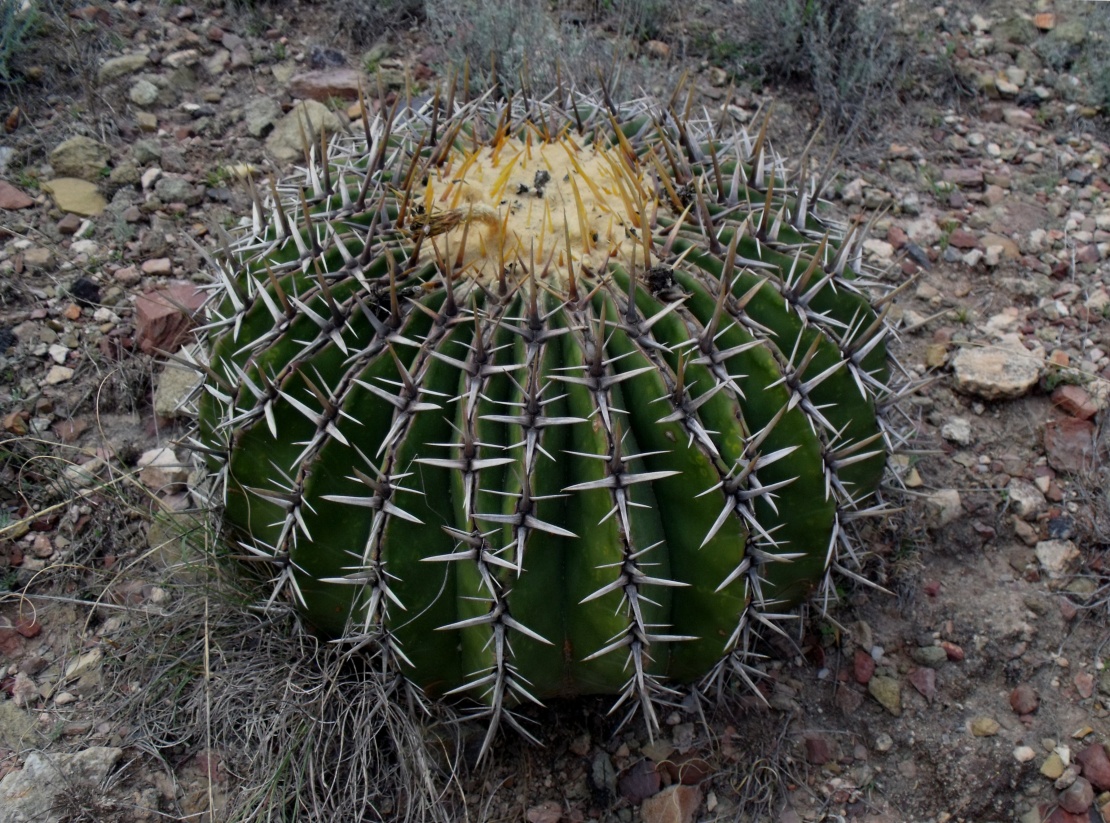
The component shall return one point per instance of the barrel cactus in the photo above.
(543, 398)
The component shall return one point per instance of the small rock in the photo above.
(963, 239)
(80, 157)
(1057, 556)
(326, 85)
(1096, 766)
(957, 430)
(964, 178)
(1024, 699)
(175, 385)
(1025, 499)
(39, 259)
(863, 666)
(657, 49)
(547, 812)
(888, 692)
(943, 507)
(1084, 684)
(308, 117)
(1071, 444)
(931, 656)
(818, 749)
(77, 196)
(158, 267)
(58, 374)
(12, 198)
(120, 66)
(925, 681)
(35, 792)
(260, 114)
(162, 470)
(995, 372)
(676, 804)
(1053, 766)
(143, 93)
(985, 727)
(1023, 754)
(639, 782)
(1075, 401)
(1077, 797)
(163, 318)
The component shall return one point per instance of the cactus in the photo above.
(535, 400)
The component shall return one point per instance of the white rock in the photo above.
(1023, 754)
(161, 470)
(879, 248)
(998, 371)
(1057, 556)
(943, 507)
(58, 353)
(150, 177)
(957, 430)
(1026, 500)
(58, 374)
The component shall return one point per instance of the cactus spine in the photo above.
(544, 399)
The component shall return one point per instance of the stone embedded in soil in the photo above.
(931, 656)
(58, 374)
(1025, 499)
(1084, 684)
(957, 430)
(12, 198)
(162, 470)
(77, 196)
(38, 790)
(1057, 557)
(639, 782)
(1077, 797)
(1075, 401)
(80, 157)
(328, 84)
(1070, 444)
(985, 727)
(818, 749)
(1096, 766)
(1023, 754)
(677, 804)
(863, 666)
(1053, 766)
(1024, 699)
(307, 118)
(547, 812)
(163, 318)
(943, 507)
(925, 681)
(997, 372)
(120, 66)
(888, 692)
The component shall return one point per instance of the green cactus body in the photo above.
(543, 406)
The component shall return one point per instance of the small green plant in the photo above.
(19, 19)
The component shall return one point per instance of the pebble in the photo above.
(888, 692)
(1057, 557)
(58, 374)
(675, 804)
(985, 727)
(1000, 371)
(1023, 754)
(1024, 699)
(1078, 796)
(1053, 766)
(1096, 766)
(957, 430)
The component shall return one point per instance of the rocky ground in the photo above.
(977, 690)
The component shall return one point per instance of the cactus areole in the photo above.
(538, 400)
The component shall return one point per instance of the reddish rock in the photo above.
(863, 667)
(818, 749)
(1024, 699)
(1062, 815)
(955, 653)
(1087, 254)
(963, 239)
(1096, 766)
(896, 237)
(70, 223)
(688, 769)
(1084, 684)
(925, 681)
(677, 804)
(164, 318)
(1070, 444)
(639, 782)
(1077, 797)
(326, 85)
(1075, 401)
(28, 627)
(15, 422)
(12, 198)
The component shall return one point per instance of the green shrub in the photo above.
(19, 19)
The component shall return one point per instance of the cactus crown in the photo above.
(543, 399)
